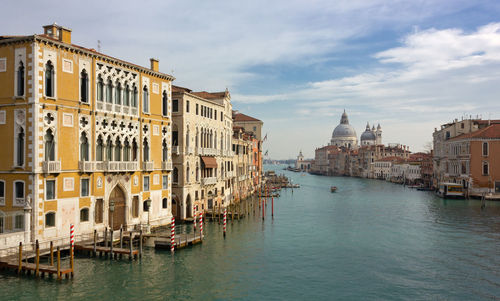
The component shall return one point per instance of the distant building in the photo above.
(344, 135)
(302, 164)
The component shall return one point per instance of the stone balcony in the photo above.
(190, 150)
(116, 108)
(51, 167)
(175, 150)
(209, 181)
(149, 166)
(230, 174)
(114, 166)
(242, 178)
(86, 166)
(165, 165)
(205, 151)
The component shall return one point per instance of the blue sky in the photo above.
(296, 65)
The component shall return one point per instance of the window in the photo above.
(20, 147)
(486, 168)
(118, 150)
(99, 149)
(84, 187)
(100, 88)
(99, 211)
(135, 206)
(19, 222)
(187, 174)
(254, 128)
(2, 192)
(126, 151)
(164, 102)
(20, 79)
(118, 93)
(50, 219)
(109, 91)
(145, 100)
(146, 183)
(126, 95)
(134, 97)
(134, 150)
(49, 79)
(84, 86)
(164, 203)
(176, 175)
(49, 146)
(84, 215)
(215, 114)
(175, 105)
(84, 147)
(145, 150)
(187, 106)
(164, 152)
(485, 149)
(221, 116)
(165, 182)
(109, 149)
(145, 206)
(50, 189)
(196, 109)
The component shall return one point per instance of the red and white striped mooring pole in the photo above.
(172, 234)
(194, 221)
(201, 225)
(225, 214)
(72, 235)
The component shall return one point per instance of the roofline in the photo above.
(197, 97)
(81, 49)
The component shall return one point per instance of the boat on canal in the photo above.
(333, 189)
(451, 190)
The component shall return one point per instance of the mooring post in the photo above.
(95, 243)
(106, 237)
(140, 243)
(225, 213)
(121, 237)
(130, 246)
(58, 263)
(201, 226)
(272, 207)
(111, 244)
(37, 258)
(51, 253)
(172, 235)
(20, 263)
(263, 211)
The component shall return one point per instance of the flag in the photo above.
(265, 138)
(267, 152)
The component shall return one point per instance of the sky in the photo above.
(296, 65)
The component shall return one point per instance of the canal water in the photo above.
(371, 240)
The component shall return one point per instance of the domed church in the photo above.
(373, 136)
(344, 135)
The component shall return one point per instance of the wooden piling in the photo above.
(106, 237)
(272, 207)
(20, 263)
(111, 244)
(95, 243)
(130, 245)
(121, 237)
(51, 253)
(140, 243)
(58, 263)
(71, 259)
(37, 258)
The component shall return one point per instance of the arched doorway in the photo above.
(189, 207)
(117, 217)
(175, 207)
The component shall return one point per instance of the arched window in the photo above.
(196, 139)
(84, 147)
(50, 219)
(99, 149)
(109, 149)
(176, 175)
(164, 203)
(84, 86)
(187, 173)
(187, 138)
(20, 79)
(164, 152)
(49, 79)
(134, 150)
(109, 91)
(126, 95)
(49, 146)
(100, 88)
(126, 151)
(84, 215)
(118, 93)
(145, 150)
(118, 150)
(145, 99)
(134, 97)
(20, 147)
(164, 102)
(197, 172)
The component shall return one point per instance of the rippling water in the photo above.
(370, 240)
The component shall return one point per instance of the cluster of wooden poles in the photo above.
(108, 248)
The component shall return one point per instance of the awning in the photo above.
(209, 162)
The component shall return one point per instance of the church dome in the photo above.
(368, 135)
(344, 130)
(344, 134)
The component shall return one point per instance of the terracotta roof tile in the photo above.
(489, 132)
(242, 117)
(210, 95)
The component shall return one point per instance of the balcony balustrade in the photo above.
(147, 165)
(190, 150)
(209, 181)
(175, 150)
(51, 166)
(242, 178)
(86, 166)
(115, 166)
(165, 165)
(116, 108)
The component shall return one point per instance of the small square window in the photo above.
(50, 189)
(84, 215)
(84, 187)
(50, 219)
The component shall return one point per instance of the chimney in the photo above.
(58, 32)
(155, 64)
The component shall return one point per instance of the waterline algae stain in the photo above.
(369, 240)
